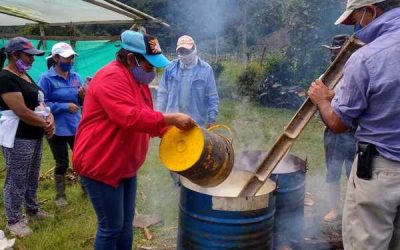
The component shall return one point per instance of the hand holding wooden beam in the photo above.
(331, 78)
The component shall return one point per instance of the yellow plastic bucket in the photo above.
(202, 156)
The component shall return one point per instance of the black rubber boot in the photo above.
(61, 198)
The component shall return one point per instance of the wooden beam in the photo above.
(129, 22)
(19, 13)
(96, 22)
(112, 8)
(323, 244)
(299, 121)
(63, 38)
(137, 12)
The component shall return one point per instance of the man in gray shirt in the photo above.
(369, 95)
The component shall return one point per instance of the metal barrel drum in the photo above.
(214, 222)
(204, 157)
(289, 215)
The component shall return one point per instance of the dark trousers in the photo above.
(59, 148)
(22, 177)
(340, 150)
(115, 209)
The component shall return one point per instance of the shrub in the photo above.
(277, 66)
(250, 81)
(227, 82)
(217, 67)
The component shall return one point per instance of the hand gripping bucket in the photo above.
(203, 156)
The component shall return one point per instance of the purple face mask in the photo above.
(22, 66)
(141, 76)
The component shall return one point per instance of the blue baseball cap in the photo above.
(145, 45)
(22, 44)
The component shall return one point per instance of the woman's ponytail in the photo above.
(3, 57)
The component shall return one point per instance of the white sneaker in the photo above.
(19, 229)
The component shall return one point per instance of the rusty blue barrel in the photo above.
(203, 224)
(216, 218)
(290, 178)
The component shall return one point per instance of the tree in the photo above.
(308, 30)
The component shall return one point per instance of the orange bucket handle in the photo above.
(220, 126)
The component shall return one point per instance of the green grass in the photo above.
(74, 226)
(258, 128)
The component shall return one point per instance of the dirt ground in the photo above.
(320, 235)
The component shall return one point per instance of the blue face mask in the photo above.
(141, 76)
(66, 67)
(358, 26)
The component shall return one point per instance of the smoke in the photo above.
(253, 128)
(223, 27)
(205, 21)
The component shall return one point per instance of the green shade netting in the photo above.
(93, 55)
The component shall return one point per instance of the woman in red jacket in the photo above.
(113, 136)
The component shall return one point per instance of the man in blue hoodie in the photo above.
(188, 86)
(369, 95)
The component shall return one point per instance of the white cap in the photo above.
(351, 6)
(63, 49)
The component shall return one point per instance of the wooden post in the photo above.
(42, 35)
(216, 47)
(262, 55)
(244, 33)
(73, 36)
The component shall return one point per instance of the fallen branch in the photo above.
(47, 175)
(43, 201)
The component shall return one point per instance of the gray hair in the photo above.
(388, 5)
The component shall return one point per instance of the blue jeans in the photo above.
(115, 209)
(340, 149)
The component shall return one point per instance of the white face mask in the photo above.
(188, 59)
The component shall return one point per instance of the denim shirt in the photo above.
(204, 100)
(58, 92)
(370, 90)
